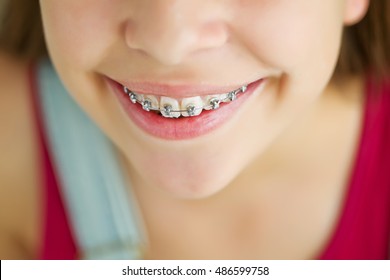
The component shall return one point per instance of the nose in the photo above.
(170, 31)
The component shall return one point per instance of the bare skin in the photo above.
(285, 205)
(20, 192)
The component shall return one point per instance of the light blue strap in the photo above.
(93, 187)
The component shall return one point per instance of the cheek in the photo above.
(293, 35)
(79, 32)
(79, 35)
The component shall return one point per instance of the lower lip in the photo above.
(185, 127)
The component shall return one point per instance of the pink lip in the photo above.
(183, 128)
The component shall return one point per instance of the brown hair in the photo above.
(21, 31)
(365, 47)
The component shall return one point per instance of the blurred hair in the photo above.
(21, 31)
(365, 46)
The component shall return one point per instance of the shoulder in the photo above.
(19, 182)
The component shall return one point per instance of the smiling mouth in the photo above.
(179, 113)
(169, 107)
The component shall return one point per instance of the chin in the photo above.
(195, 183)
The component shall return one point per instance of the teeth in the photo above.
(126, 90)
(133, 97)
(167, 105)
(140, 97)
(153, 100)
(191, 106)
(232, 95)
(213, 102)
(187, 107)
(223, 97)
(146, 104)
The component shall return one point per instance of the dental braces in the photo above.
(166, 110)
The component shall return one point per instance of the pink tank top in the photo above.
(363, 229)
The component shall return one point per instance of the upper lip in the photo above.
(180, 90)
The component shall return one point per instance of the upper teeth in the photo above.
(187, 107)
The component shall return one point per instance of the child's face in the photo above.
(181, 48)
